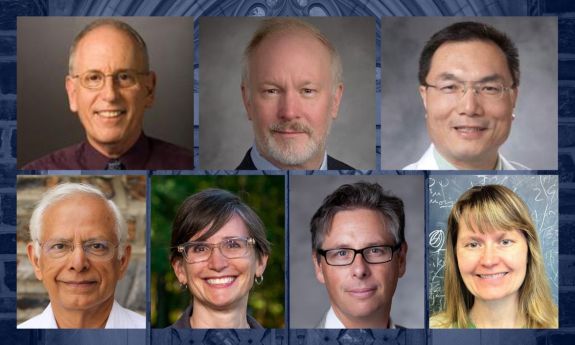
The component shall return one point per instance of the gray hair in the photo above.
(276, 25)
(357, 196)
(118, 25)
(66, 190)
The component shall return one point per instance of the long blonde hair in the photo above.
(496, 207)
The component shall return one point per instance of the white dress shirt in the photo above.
(430, 161)
(119, 317)
(332, 321)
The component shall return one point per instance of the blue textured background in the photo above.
(9, 9)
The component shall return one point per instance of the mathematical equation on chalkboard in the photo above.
(540, 193)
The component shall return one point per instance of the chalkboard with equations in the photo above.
(540, 193)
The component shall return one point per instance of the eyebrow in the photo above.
(491, 77)
(369, 244)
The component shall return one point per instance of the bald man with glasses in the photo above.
(79, 250)
(469, 83)
(110, 86)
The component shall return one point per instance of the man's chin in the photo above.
(292, 154)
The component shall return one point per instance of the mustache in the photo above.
(291, 126)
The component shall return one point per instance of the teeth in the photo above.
(110, 113)
(492, 276)
(469, 129)
(220, 281)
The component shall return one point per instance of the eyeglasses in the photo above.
(98, 250)
(95, 80)
(488, 90)
(346, 256)
(231, 248)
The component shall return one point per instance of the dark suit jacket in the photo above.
(332, 163)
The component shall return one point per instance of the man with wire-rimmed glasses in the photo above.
(469, 83)
(110, 86)
(359, 253)
(79, 251)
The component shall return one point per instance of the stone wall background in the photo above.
(129, 194)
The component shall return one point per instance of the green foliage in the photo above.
(265, 195)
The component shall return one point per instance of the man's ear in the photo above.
(125, 260)
(317, 266)
(34, 260)
(246, 99)
(423, 94)
(336, 101)
(514, 95)
(402, 258)
(71, 91)
(150, 85)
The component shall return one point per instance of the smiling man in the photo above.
(79, 251)
(110, 86)
(291, 89)
(359, 253)
(469, 83)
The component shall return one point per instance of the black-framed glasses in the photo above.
(95, 80)
(345, 256)
(231, 248)
(488, 90)
(98, 250)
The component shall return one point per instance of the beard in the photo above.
(292, 151)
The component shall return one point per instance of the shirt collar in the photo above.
(263, 164)
(49, 320)
(332, 321)
(48, 317)
(443, 164)
(133, 159)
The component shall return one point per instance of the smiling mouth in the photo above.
(79, 284)
(289, 132)
(469, 129)
(110, 113)
(492, 276)
(362, 292)
(222, 281)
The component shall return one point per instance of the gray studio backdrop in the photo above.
(533, 138)
(225, 131)
(308, 297)
(45, 122)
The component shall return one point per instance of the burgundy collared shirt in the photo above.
(146, 154)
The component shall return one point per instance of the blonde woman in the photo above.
(494, 271)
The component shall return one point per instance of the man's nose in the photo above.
(78, 259)
(290, 105)
(217, 261)
(360, 267)
(469, 104)
(110, 90)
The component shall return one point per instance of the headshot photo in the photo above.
(287, 93)
(108, 93)
(493, 255)
(81, 252)
(217, 252)
(460, 93)
(357, 251)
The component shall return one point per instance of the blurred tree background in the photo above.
(265, 195)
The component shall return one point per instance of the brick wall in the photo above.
(128, 192)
